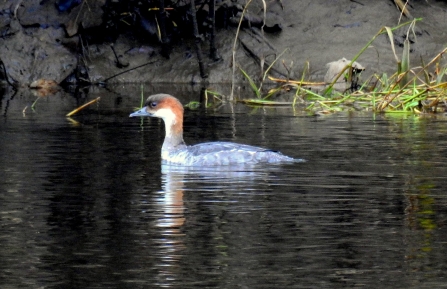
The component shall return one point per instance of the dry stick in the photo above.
(385, 102)
(197, 40)
(83, 106)
(403, 7)
(400, 78)
(119, 64)
(233, 64)
(212, 15)
(125, 71)
(300, 82)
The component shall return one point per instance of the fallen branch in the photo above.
(306, 83)
(83, 106)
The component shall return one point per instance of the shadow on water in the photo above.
(86, 203)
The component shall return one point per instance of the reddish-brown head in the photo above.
(167, 108)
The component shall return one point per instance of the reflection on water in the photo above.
(86, 202)
(170, 222)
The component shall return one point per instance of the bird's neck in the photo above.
(174, 134)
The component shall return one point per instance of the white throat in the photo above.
(168, 117)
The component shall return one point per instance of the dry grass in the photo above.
(419, 89)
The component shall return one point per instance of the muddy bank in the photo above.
(41, 41)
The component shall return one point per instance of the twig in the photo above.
(83, 106)
(119, 64)
(107, 79)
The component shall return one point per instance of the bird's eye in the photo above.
(152, 104)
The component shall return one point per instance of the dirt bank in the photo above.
(40, 42)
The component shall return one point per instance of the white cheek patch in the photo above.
(168, 117)
(166, 114)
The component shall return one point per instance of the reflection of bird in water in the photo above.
(170, 221)
(183, 190)
(175, 150)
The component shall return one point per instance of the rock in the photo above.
(335, 67)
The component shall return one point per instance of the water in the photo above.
(86, 203)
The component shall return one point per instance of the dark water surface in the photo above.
(85, 202)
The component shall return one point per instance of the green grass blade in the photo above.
(252, 83)
(389, 31)
(142, 96)
(381, 31)
(405, 66)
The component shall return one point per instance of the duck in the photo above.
(219, 153)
